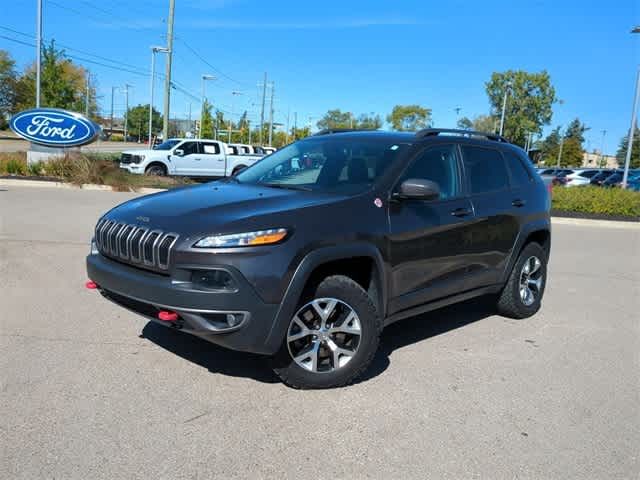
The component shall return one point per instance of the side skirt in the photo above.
(427, 307)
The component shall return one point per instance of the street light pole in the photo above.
(560, 150)
(38, 51)
(205, 77)
(113, 89)
(627, 160)
(230, 124)
(504, 106)
(602, 162)
(126, 109)
(154, 50)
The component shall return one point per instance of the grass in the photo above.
(597, 200)
(82, 168)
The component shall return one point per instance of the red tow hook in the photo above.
(167, 316)
(91, 285)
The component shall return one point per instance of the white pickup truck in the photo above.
(186, 157)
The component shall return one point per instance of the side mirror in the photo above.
(178, 152)
(418, 189)
(239, 169)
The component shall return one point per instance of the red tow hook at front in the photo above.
(167, 316)
(91, 285)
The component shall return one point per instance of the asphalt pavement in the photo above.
(91, 391)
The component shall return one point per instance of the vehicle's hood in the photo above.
(144, 151)
(217, 206)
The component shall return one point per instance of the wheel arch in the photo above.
(539, 232)
(155, 163)
(326, 261)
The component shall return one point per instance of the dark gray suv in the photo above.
(309, 253)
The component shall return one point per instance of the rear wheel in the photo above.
(332, 338)
(156, 169)
(522, 294)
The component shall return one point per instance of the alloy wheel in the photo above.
(530, 280)
(324, 335)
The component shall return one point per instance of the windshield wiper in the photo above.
(285, 186)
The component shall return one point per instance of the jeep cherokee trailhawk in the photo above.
(307, 255)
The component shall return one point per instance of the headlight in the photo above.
(248, 239)
(137, 158)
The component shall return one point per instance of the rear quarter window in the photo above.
(519, 173)
(485, 169)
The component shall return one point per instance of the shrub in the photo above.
(116, 137)
(13, 163)
(35, 168)
(597, 200)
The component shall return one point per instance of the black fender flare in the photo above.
(302, 274)
(539, 225)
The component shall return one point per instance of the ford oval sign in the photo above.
(54, 127)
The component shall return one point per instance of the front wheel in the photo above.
(522, 294)
(156, 170)
(332, 338)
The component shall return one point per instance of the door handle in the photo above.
(518, 203)
(461, 212)
(198, 159)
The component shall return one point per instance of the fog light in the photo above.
(94, 248)
(233, 320)
(213, 279)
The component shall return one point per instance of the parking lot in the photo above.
(90, 390)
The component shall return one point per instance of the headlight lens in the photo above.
(248, 239)
(137, 158)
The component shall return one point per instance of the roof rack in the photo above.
(433, 132)
(329, 131)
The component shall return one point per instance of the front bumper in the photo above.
(201, 312)
(132, 168)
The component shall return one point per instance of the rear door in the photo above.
(430, 241)
(496, 222)
(213, 160)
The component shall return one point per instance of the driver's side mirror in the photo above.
(418, 189)
(178, 152)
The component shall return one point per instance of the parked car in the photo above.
(600, 177)
(633, 183)
(186, 157)
(308, 266)
(581, 177)
(613, 180)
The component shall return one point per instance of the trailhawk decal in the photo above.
(54, 127)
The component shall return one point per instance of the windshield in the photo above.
(326, 164)
(168, 145)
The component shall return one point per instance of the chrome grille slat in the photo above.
(135, 245)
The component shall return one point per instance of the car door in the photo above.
(430, 241)
(496, 222)
(213, 160)
(188, 162)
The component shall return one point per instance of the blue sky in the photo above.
(357, 55)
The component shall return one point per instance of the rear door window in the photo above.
(211, 148)
(519, 173)
(485, 169)
(189, 148)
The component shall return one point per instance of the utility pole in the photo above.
(126, 109)
(560, 150)
(38, 51)
(273, 88)
(264, 94)
(295, 126)
(154, 50)
(249, 127)
(86, 98)
(287, 131)
(113, 89)
(627, 160)
(167, 78)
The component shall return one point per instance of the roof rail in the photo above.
(329, 131)
(432, 132)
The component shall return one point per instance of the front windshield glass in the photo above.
(326, 164)
(168, 145)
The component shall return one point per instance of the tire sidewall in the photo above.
(530, 250)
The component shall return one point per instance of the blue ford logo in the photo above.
(54, 127)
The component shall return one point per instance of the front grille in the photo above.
(135, 245)
(125, 158)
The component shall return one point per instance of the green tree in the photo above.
(621, 154)
(465, 123)
(337, 119)
(409, 117)
(481, 123)
(63, 84)
(529, 102)
(138, 121)
(369, 121)
(206, 122)
(8, 79)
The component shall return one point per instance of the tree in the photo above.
(409, 117)
(529, 102)
(206, 122)
(8, 79)
(336, 119)
(63, 84)
(481, 123)
(550, 146)
(369, 121)
(138, 121)
(621, 154)
(572, 149)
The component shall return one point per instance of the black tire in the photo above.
(510, 302)
(156, 169)
(346, 290)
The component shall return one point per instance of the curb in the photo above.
(8, 182)
(583, 222)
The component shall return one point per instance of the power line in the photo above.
(203, 60)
